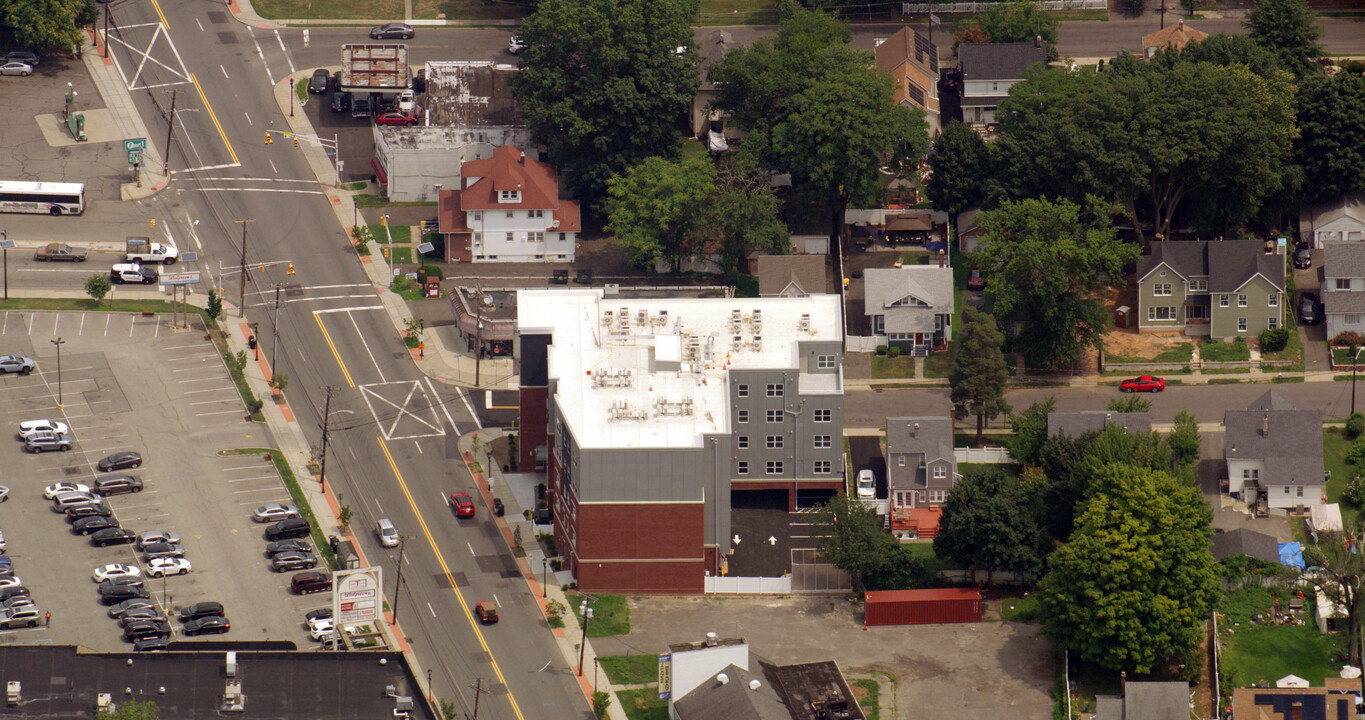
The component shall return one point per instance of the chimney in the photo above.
(942, 259)
(1037, 41)
(914, 431)
(1265, 424)
(522, 160)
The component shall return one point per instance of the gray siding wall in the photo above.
(1147, 298)
(1257, 311)
(808, 354)
(795, 427)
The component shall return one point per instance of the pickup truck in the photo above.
(154, 253)
(60, 252)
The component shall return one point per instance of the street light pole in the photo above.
(586, 611)
(59, 343)
(241, 294)
(402, 543)
(4, 241)
(275, 344)
(544, 577)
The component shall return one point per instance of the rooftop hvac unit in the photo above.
(104, 702)
(233, 699)
(231, 667)
(611, 290)
(13, 690)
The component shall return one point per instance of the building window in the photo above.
(1162, 273)
(774, 416)
(1241, 301)
(742, 416)
(775, 390)
(535, 213)
(938, 496)
(823, 415)
(1273, 323)
(477, 216)
(1199, 285)
(1241, 324)
(1272, 300)
(775, 468)
(940, 472)
(1160, 289)
(478, 237)
(535, 237)
(822, 442)
(1251, 474)
(1343, 283)
(743, 390)
(1353, 319)
(509, 237)
(743, 468)
(1286, 489)
(743, 442)
(1299, 491)
(822, 467)
(824, 362)
(775, 442)
(1222, 301)
(1161, 313)
(900, 460)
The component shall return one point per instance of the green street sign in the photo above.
(135, 156)
(134, 145)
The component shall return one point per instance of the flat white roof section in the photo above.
(614, 358)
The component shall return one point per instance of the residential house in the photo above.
(507, 209)
(701, 117)
(1274, 456)
(1334, 221)
(920, 464)
(912, 306)
(1335, 701)
(1175, 37)
(716, 679)
(1145, 701)
(1343, 288)
(989, 70)
(911, 60)
(1076, 424)
(789, 275)
(1246, 542)
(968, 233)
(1223, 289)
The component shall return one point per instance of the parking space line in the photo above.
(82, 326)
(221, 412)
(217, 389)
(242, 467)
(107, 318)
(252, 478)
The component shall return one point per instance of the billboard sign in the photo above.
(357, 595)
(180, 278)
(665, 676)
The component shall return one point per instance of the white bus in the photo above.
(42, 197)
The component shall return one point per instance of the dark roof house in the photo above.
(789, 275)
(1228, 264)
(810, 691)
(1145, 701)
(1077, 424)
(1246, 542)
(1287, 440)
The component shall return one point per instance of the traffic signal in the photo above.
(384, 220)
(290, 269)
(296, 141)
(153, 223)
(268, 139)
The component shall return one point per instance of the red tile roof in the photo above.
(509, 169)
(451, 218)
(568, 216)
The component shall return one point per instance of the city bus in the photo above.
(42, 197)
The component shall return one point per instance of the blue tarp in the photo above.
(1291, 554)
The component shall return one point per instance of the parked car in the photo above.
(112, 536)
(319, 628)
(867, 485)
(115, 570)
(134, 580)
(19, 617)
(215, 624)
(311, 615)
(515, 45)
(156, 536)
(145, 612)
(31, 427)
(202, 609)
(310, 581)
(76, 512)
(117, 485)
(317, 84)
(151, 644)
(144, 629)
(17, 364)
(1308, 309)
(157, 550)
(463, 504)
(27, 57)
(111, 594)
(16, 68)
(401, 31)
(341, 101)
(46, 442)
(270, 512)
(52, 491)
(975, 280)
(1303, 256)
(59, 252)
(10, 593)
(293, 561)
(132, 273)
(288, 528)
(282, 546)
(119, 461)
(1146, 383)
(126, 606)
(395, 117)
(163, 566)
(93, 524)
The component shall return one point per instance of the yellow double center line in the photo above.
(212, 115)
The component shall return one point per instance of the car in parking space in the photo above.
(28, 616)
(283, 546)
(158, 550)
(117, 485)
(112, 536)
(156, 536)
(92, 524)
(395, 117)
(16, 602)
(144, 629)
(209, 624)
(293, 561)
(4, 493)
(400, 31)
(1303, 256)
(317, 84)
(10, 593)
(126, 460)
(115, 570)
(462, 504)
(27, 57)
(320, 628)
(133, 580)
(1308, 309)
(29, 427)
(201, 609)
(132, 273)
(310, 581)
(341, 101)
(67, 500)
(288, 528)
(111, 594)
(146, 612)
(16, 68)
(151, 644)
(76, 512)
(11, 582)
(515, 45)
(322, 612)
(17, 364)
(52, 491)
(270, 512)
(163, 566)
(386, 532)
(129, 605)
(47, 442)
(1144, 383)
(867, 485)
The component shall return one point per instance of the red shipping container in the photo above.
(922, 607)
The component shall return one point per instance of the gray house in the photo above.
(1220, 289)
(911, 306)
(989, 70)
(1145, 701)
(789, 275)
(1343, 288)
(1076, 424)
(920, 465)
(1274, 455)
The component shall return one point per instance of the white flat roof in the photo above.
(660, 377)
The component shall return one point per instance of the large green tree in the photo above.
(44, 24)
(742, 213)
(1133, 586)
(1047, 265)
(602, 84)
(1013, 21)
(1287, 28)
(979, 371)
(1342, 580)
(855, 542)
(959, 165)
(989, 523)
(1223, 49)
(1184, 439)
(1029, 431)
(656, 208)
(1332, 124)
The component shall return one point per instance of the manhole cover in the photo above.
(227, 38)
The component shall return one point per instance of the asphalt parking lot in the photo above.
(133, 382)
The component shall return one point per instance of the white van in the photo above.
(71, 499)
(386, 532)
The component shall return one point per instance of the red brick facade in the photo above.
(531, 420)
(645, 547)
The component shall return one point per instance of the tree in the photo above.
(979, 370)
(97, 286)
(1129, 404)
(1287, 28)
(131, 710)
(1132, 587)
(988, 523)
(1341, 575)
(1019, 21)
(742, 213)
(215, 305)
(1223, 49)
(959, 165)
(1030, 431)
(1184, 438)
(657, 207)
(855, 543)
(601, 84)
(1331, 117)
(42, 24)
(1047, 265)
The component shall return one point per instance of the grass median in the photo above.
(295, 492)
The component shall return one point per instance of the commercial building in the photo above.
(656, 415)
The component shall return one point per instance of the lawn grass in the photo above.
(1253, 653)
(295, 492)
(643, 704)
(916, 258)
(1293, 350)
(326, 9)
(1224, 381)
(470, 10)
(868, 693)
(1227, 371)
(610, 616)
(355, 186)
(379, 201)
(884, 366)
(631, 669)
(1334, 447)
(400, 255)
(738, 12)
(407, 289)
(932, 562)
(1178, 354)
(938, 364)
(1214, 351)
(1025, 609)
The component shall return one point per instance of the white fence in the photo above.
(974, 7)
(749, 585)
(989, 455)
(856, 343)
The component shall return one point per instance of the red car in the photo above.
(1146, 383)
(975, 281)
(396, 118)
(463, 504)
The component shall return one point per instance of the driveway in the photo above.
(1313, 337)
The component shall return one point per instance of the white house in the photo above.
(508, 210)
(1274, 456)
(1335, 221)
(989, 70)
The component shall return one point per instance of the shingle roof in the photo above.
(906, 45)
(933, 439)
(1176, 36)
(998, 61)
(509, 169)
(1246, 542)
(1076, 424)
(717, 44)
(929, 283)
(777, 272)
(1228, 264)
(1156, 701)
(1339, 302)
(1343, 260)
(1350, 205)
(732, 700)
(1292, 449)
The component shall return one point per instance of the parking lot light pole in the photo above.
(586, 611)
(59, 343)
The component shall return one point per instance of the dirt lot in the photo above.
(982, 670)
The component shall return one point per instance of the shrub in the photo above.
(1346, 339)
(1356, 67)
(1274, 340)
(1355, 425)
(893, 352)
(1355, 491)
(881, 349)
(1356, 455)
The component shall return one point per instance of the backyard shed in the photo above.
(923, 607)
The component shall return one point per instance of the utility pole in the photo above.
(166, 161)
(241, 294)
(4, 241)
(60, 342)
(274, 344)
(322, 471)
(397, 586)
(478, 331)
(478, 690)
